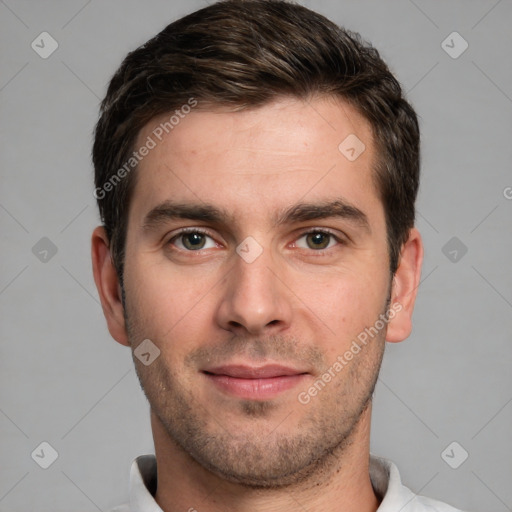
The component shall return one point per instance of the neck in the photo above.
(342, 483)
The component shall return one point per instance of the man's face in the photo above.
(234, 264)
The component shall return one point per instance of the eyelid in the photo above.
(328, 231)
(190, 229)
(340, 238)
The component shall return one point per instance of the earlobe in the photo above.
(405, 287)
(107, 283)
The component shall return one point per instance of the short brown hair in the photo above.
(244, 54)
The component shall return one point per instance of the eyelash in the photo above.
(186, 231)
(323, 231)
(319, 252)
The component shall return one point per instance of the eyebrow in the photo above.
(340, 208)
(327, 209)
(169, 210)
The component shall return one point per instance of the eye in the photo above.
(317, 240)
(192, 241)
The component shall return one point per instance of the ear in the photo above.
(107, 283)
(405, 286)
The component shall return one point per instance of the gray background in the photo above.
(63, 379)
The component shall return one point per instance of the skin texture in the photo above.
(296, 304)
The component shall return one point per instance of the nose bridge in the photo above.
(253, 297)
(253, 276)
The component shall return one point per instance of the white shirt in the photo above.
(383, 474)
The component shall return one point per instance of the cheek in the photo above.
(168, 305)
(343, 305)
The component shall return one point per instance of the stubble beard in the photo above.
(264, 458)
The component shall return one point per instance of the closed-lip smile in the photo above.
(253, 382)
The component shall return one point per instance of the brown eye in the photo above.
(318, 240)
(193, 241)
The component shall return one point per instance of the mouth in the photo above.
(254, 383)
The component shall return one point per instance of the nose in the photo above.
(255, 299)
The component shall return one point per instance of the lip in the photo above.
(253, 372)
(254, 383)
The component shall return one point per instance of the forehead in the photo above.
(255, 161)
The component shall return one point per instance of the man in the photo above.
(256, 173)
